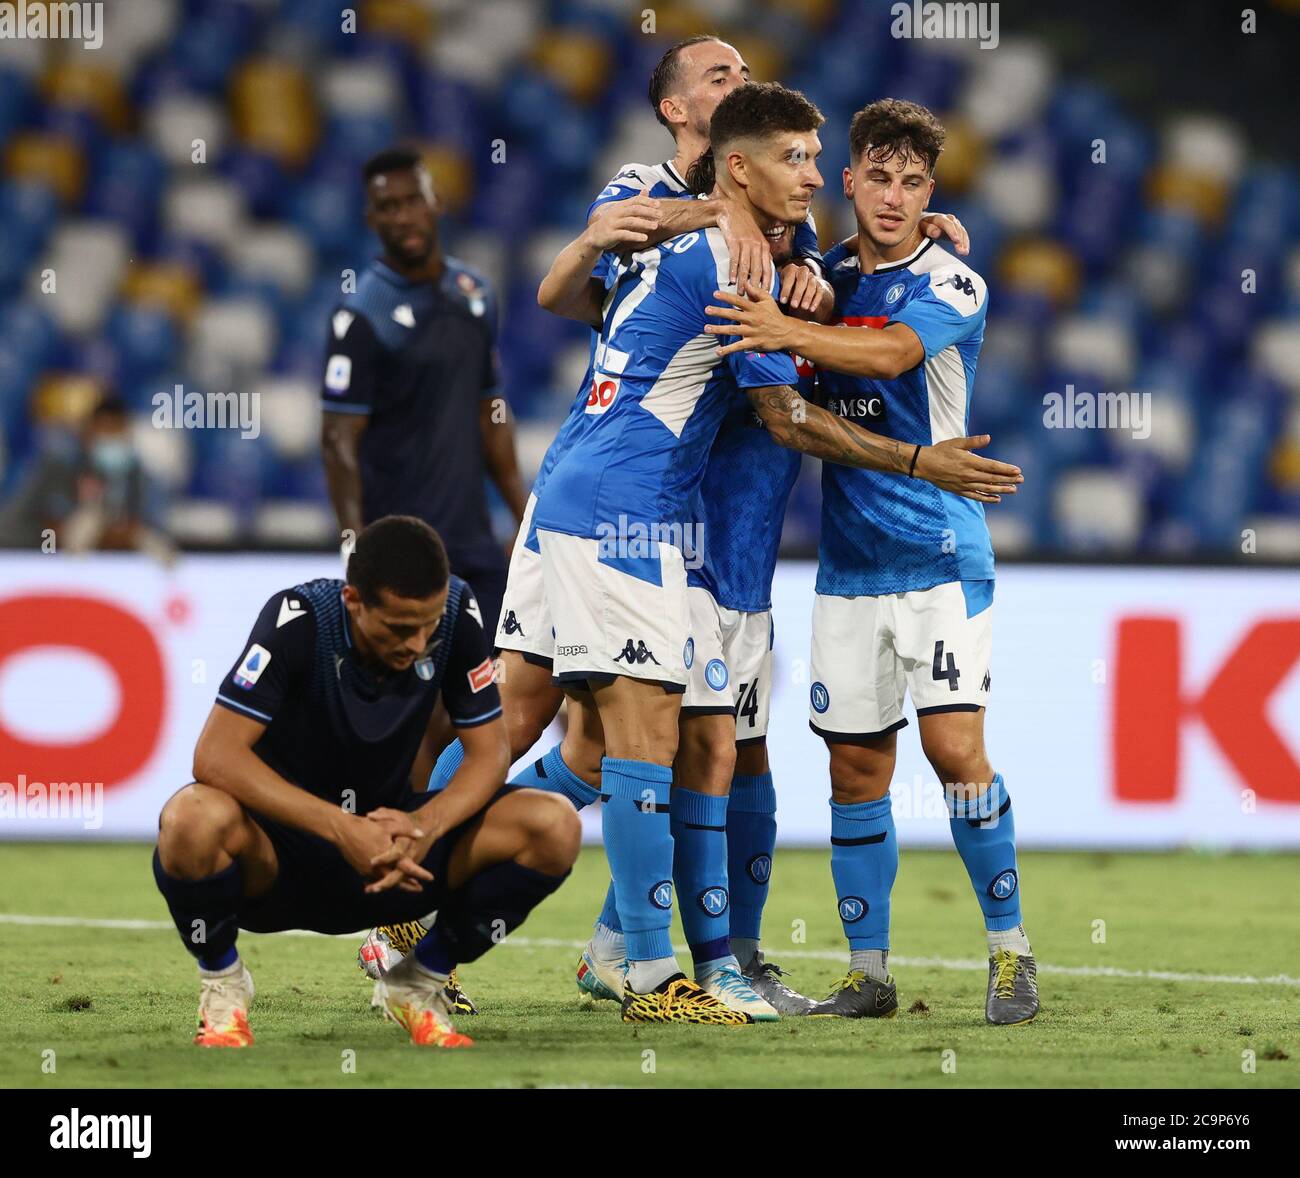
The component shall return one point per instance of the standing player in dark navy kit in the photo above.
(302, 813)
(413, 414)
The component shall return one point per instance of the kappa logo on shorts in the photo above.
(821, 698)
(715, 674)
(713, 901)
(987, 682)
(688, 653)
(661, 895)
(760, 868)
(570, 651)
(637, 654)
(1003, 886)
(511, 625)
(852, 909)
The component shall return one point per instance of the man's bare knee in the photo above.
(552, 833)
(197, 830)
(859, 774)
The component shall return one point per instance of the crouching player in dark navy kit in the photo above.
(302, 813)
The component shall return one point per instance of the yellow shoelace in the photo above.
(1007, 966)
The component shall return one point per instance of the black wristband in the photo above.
(915, 455)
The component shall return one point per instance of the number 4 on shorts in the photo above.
(748, 702)
(949, 672)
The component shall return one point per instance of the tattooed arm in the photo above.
(951, 465)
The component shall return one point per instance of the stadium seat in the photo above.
(277, 254)
(51, 160)
(202, 523)
(88, 259)
(231, 339)
(1098, 510)
(293, 524)
(290, 416)
(207, 209)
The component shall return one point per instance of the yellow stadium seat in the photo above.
(93, 88)
(65, 398)
(169, 287)
(1204, 196)
(576, 62)
(402, 20)
(47, 159)
(453, 177)
(963, 155)
(273, 111)
(1044, 267)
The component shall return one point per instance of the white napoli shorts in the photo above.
(525, 623)
(869, 652)
(616, 616)
(728, 664)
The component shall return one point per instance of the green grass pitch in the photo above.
(116, 1005)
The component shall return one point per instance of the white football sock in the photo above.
(644, 976)
(745, 949)
(1012, 938)
(872, 962)
(608, 946)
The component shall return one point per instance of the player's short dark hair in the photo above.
(894, 125)
(391, 159)
(401, 554)
(111, 407)
(751, 110)
(667, 73)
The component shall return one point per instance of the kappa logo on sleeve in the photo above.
(481, 675)
(255, 662)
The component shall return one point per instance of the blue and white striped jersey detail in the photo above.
(882, 533)
(659, 393)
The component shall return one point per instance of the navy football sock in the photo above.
(864, 864)
(205, 912)
(488, 907)
(699, 827)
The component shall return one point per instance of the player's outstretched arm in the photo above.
(759, 326)
(950, 465)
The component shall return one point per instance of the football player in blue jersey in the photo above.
(303, 815)
(905, 575)
(640, 205)
(616, 505)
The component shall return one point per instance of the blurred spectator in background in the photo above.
(413, 416)
(89, 489)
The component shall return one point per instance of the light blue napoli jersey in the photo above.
(741, 506)
(882, 533)
(658, 181)
(658, 395)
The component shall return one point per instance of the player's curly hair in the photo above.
(401, 554)
(891, 125)
(749, 111)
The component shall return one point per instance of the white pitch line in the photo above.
(1074, 971)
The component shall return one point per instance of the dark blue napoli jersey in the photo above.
(741, 506)
(881, 533)
(419, 358)
(332, 724)
(659, 394)
(658, 181)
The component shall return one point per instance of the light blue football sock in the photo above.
(639, 846)
(751, 840)
(699, 826)
(864, 864)
(453, 756)
(549, 772)
(984, 831)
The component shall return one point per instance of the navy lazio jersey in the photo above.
(331, 723)
(659, 392)
(658, 181)
(882, 533)
(418, 358)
